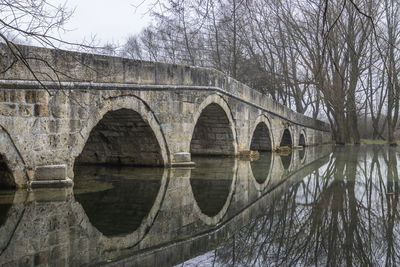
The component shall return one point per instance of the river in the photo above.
(317, 206)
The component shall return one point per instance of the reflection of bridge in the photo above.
(52, 227)
(114, 110)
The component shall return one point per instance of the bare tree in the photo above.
(392, 64)
(37, 22)
(332, 59)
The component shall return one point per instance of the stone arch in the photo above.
(12, 165)
(261, 139)
(286, 139)
(302, 138)
(214, 131)
(117, 125)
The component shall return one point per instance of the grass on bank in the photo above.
(376, 142)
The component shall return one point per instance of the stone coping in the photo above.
(78, 69)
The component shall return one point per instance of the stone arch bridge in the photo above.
(98, 109)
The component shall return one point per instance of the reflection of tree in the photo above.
(344, 213)
(392, 199)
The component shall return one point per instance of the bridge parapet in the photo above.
(84, 71)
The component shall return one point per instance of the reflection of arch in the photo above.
(302, 138)
(213, 220)
(286, 159)
(286, 138)
(213, 132)
(261, 139)
(13, 218)
(128, 240)
(302, 154)
(262, 177)
(116, 200)
(6, 177)
(129, 114)
(11, 161)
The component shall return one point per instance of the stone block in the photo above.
(26, 261)
(30, 97)
(17, 96)
(8, 109)
(42, 97)
(54, 140)
(53, 126)
(41, 258)
(51, 183)
(26, 110)
(41, 110)
(75, 125)
(51, 172)
(182, 157)
(58, 111)
(60, 98)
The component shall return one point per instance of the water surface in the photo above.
(320, 206)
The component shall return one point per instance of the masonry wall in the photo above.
(54, 128)
(43, 131)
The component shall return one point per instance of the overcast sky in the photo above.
(108, 20)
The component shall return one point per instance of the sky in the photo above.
(108, 20)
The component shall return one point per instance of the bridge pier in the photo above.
(182, 159)
(51, 176)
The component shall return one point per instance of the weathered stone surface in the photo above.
(169, 109)
(17, 96)
(41, 110)
(50, 172)
(182, 157)
(30, 97)
(8, 109)
(26, 110)
(42, 97)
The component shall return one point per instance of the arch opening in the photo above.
(302, 140)
(212, 134)
(261, 140)
(286, 139)
(6, 176)
(122, 137)
(211, 183)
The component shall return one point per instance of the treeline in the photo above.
(333, 60)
